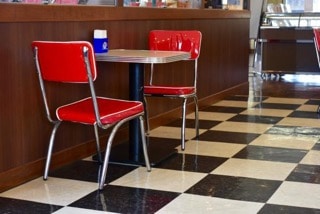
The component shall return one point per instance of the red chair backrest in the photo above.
(175, 40)
(316, 32)
(64, 61)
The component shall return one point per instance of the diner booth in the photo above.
(24, 129)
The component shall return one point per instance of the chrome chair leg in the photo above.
(49, 154)
(183, 127)
(107, 156)
(144, 144)
(146, 113)
(196, 115)
(96, 133)
(109, 145)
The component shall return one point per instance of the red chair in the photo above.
(189, 41)
(74, 62)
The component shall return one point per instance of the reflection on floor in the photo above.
(255, 154)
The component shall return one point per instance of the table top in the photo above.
(142, 56)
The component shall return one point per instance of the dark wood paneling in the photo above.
(286, 34)
(288, 50)
(289, 57)
(24, 130)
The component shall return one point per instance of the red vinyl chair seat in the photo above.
(111, 110)
(168, 90)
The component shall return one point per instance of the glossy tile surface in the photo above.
(255, 154)
(212, 149)
(121, 199)
(255, 169)
(294, 194)
(191, 203)
(56, 191)
(235, 188)
(160, 179)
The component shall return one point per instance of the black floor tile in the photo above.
(271, 154)
(237, 98)
(8, 206)
(190, 123)
(237, 188)
(256, 119)
(193, 163)
(273, 208)
(228, 137)
(163, 142)
(305, 173)
(159, 149)
(294, 131)
(89, 171)
(125, 200)
(313, 102)
(224, 109)
(246, 98)
(305, 114)
(277, 106)
(316, 146)
(258, 98)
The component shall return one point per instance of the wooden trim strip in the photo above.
(10, 12)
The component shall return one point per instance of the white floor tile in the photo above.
(311, 108)
(312, 157)
(173, 132)
(235, 103)
(282, 141)
(297, 194)
(210, 148)
(256, 128)
(215, 116)
(73, 210)
(55, 191)
(160, 179)
(283, 100)
(190, 204)
(267, 112)
(255, 169)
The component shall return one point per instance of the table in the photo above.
(136, 60)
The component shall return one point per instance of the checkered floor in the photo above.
(254, 155)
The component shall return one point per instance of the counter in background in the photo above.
(287, 42)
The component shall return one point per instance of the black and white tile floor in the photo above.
(254, 155)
